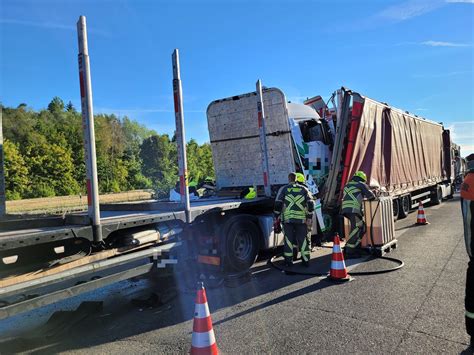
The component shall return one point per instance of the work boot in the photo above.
(288, 263)
(305, 263)
(295, 254)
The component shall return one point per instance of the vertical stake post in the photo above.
(263, 140)
(180, 136)
(88, 129)
(3, 209)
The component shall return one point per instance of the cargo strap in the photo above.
(273, 134)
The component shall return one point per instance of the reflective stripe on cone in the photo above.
(338, 270)
(203, 338)
(420, 218)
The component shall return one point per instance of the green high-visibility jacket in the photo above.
(294, 203)
(354, 192)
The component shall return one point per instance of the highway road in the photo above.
(418, 309)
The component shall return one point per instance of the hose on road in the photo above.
(399, 265)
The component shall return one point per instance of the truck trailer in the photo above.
(406, 157)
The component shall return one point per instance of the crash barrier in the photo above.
(203, 339)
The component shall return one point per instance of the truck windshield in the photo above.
(312, 131)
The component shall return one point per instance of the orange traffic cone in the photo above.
(203, 341)
(338, 270)
(420, 218)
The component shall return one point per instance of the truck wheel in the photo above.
(404, 207)
(437, 196)
(396, 204)
(241, 244)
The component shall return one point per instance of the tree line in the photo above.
(44, 154)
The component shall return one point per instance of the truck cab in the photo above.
(313, 141)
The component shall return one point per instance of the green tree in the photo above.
(159, 162)
(200, 163)
(56, 105)
(70, 107)
(44, 153)
(16, 171)
(51, 170)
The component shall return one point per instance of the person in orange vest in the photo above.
(467, 207)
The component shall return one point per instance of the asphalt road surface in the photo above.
(418, 309)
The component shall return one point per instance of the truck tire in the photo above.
(241, 243)
(437, 196)
(396, 207)
(404, 206)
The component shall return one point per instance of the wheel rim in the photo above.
(395, 208)
(242, 245)
(406, 204)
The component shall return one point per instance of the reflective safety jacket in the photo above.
(354, 192)
(294, 203)
(467, 208)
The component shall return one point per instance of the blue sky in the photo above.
(415, 55)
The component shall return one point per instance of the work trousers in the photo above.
(296, 234)
(357, 230)
(469, 298)
(467, 208)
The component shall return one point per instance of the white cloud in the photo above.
(461, 1)
(50, 25)
(462, 133)
(409, 9)
(444, 44)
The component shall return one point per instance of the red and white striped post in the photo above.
(88, 129)
(263, 140)
(180, 136)
(3, 209)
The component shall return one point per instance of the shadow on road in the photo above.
(120, 318)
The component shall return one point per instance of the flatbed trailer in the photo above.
(139, 216)
(45, 260)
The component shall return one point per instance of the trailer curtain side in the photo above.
(396, 150)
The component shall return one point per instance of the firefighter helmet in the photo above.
(300, 178)
(362, 175)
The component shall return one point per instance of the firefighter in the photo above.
(467, 207)
(354, 192)
(294, 204)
